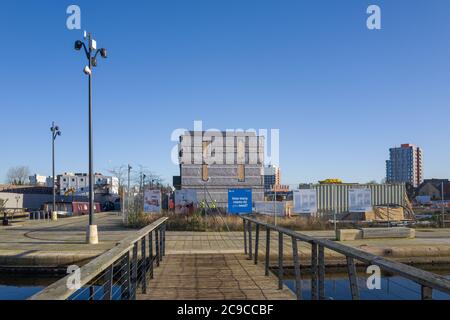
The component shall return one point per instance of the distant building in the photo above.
(271, 177)
(433, 189)
(405, 165)
(38, 180)
(78, 184)
(211, 162)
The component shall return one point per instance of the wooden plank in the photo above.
(213, 276)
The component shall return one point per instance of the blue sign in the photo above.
(239, 200)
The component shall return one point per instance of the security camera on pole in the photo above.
(91, 54)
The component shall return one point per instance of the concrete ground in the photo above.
(54, 244)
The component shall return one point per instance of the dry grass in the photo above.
(216, 222)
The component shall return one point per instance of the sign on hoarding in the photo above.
(185, 201)
(152, 201)
(240, 201)
(359, 200)
(305, 201)
(270, 208)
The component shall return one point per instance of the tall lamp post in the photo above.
(128, 195)
(91, 54)
(55, 132)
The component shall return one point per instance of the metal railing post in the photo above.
(250, 254)
(164, 240)
(134, 279)
(267, 266)
(352, 276)
(144, 265)
(157, 253)
(298, 279)
(245, 236)
(426, 293)
(280, 260)
(314, 271)
(150, 254)
(161, 246)
(256, 243)
(108, 283)
(321, 272)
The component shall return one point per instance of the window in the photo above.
(205, 172)
(241, 173)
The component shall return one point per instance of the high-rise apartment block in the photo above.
(405, 165)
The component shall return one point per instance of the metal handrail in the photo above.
(428, 281)
(105, 264)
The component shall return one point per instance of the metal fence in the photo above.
(334, 197)
(118, 274)
(428, 281)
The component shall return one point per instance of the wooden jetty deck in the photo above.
(200, 273)
(212, 277)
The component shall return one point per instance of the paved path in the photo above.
(430, 246)
(56, 244)
(212, 277)
(52, 244)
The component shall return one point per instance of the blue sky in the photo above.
(340, 94)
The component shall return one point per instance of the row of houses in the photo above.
(78, 183)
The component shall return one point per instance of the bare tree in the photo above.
(18, 175)
(150, 177)
(121, 174)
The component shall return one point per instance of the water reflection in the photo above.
(337, 287)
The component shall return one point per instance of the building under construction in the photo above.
(211, 162)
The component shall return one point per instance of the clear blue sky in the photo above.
(340, 94)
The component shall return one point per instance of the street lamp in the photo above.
(128, 195)
(143, 191)
(55, 132)
(91, 54)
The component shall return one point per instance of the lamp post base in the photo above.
(92, 235)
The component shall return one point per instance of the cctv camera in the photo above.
(87, 70)
(78, 45)
(103, 53)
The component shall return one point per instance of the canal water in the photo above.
(20, 287)
(337, 287)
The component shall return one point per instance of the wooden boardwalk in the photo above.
(212, 277)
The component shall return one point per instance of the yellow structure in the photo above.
(331, 181)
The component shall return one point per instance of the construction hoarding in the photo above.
(359, 200)
(334, 197)
(185, 201)
(152, 201)
(305, 201)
